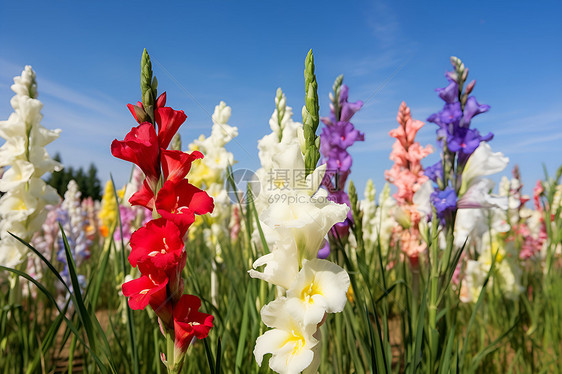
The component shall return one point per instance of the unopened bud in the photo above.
(403, 218)
(154, 84)
(470, 87)
(140, 114)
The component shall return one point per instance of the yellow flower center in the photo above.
(296, 340)
(309, 291)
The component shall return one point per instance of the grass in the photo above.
(396, 320)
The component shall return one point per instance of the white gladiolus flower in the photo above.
(71, 204)
(210, 174)
(22, 208)
(299, 206)
(506, 275)
(284, 134)
(295, 215)
(381, 220)
(475, 223)
(211, 171)
(472, 282)
(291, 342)
(481, 163)
(221, 132)
(322, 287)
(308, 222)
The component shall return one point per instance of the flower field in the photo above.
(195, 266)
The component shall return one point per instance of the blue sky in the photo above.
(87, 55)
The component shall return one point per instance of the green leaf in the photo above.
(69, 323)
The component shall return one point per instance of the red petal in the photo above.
(189, 322)
(143, 197)
(132, 110)
(161, 101)
(168, 121)
(169, 204)
(179, 202)
(158, 242)
(176, 164)
(140, 147)
(141, 290)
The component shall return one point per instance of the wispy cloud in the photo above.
(88, 121)
(91, 101)
(383, 22)
(94, 101)
(546, 120)
(535, 144)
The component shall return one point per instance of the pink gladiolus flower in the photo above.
(407, 174)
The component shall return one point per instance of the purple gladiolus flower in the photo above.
(342, 136)
(471, 109)
(451, 113)
(445, 201)
(435, 171)
(450, 93)
(454, 119)
(337, 135)
(456, 138)
(348, 109)
(339, 160)
(464, 140)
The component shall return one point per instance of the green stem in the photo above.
(170, 354)
(433, 295)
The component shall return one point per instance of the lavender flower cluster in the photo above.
(337, 136)
(455, 138)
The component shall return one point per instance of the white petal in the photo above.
(422, 200)
(270, 342)
(324, 281)
(13, 149)
(281, 265)
(292, 344)
(19, 173)
(481, 163)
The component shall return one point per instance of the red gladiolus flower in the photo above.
(168, 121)
(176, 164)
(147, 289)
(157, 248)
(159, 243)
(179, 202)
(189, 323)
(140, 147)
